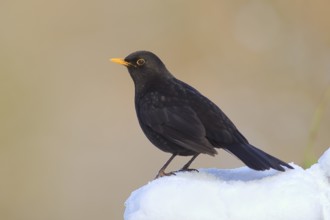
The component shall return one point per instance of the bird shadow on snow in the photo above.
(239, 174)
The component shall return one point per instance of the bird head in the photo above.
(144, 66)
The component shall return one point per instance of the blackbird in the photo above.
(179, 120)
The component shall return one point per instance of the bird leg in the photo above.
(161, 172)
(186, 166)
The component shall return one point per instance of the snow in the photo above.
(242, 193)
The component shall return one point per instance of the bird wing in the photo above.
(178, 124)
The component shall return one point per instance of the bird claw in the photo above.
(162, 173)
(188, 170)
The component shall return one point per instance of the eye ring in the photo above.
(140, 62)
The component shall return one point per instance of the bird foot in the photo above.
(162, 173)
(188, 170)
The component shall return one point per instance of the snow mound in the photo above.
(213, 194)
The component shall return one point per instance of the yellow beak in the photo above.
(120, 61)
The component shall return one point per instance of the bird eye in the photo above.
(140, 62)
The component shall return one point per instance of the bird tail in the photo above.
(256, 158)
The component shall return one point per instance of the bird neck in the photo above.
(153, 84)
(146, 80)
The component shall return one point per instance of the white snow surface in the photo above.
(242, 193)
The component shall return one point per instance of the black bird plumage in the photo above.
(179, 120)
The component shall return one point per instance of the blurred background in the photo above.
(70, 144)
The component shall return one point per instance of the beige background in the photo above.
(70, 144)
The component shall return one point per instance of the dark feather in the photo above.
(179, 125)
